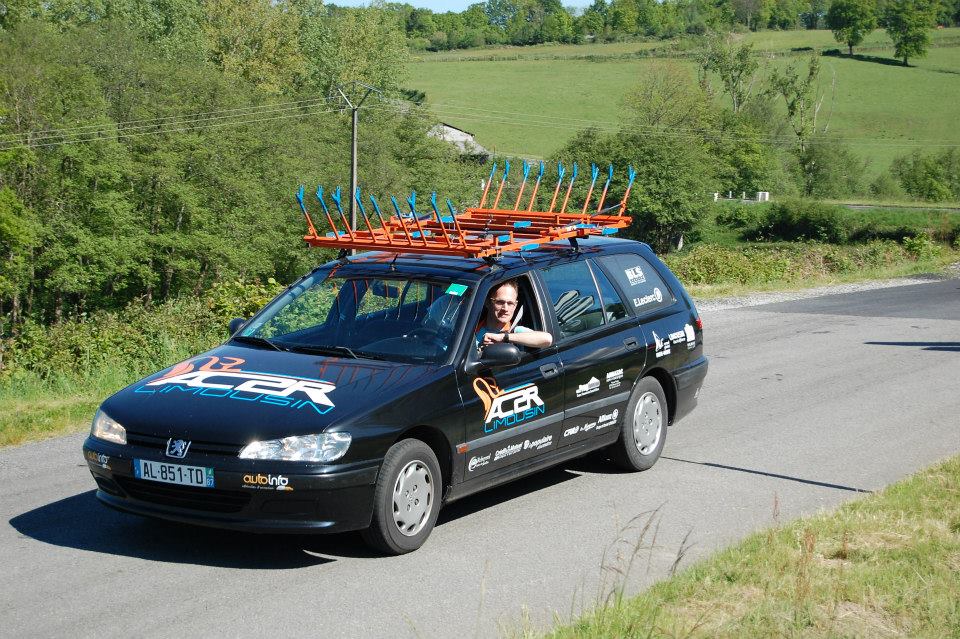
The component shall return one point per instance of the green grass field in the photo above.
(532, 105)
(887, 565)
(772, 41)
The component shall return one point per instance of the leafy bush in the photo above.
(836, 261)
(138, 338)
(800, 220)
(935, 177)
(711, 265)
(236, 298)
(829, 169)
(921, 247)
(872, 230)
(739, 216)
(878, 254)
(885, 186)
(667, 197)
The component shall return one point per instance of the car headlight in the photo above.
(325, 447)
(104, 427)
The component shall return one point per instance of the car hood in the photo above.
(235, 394)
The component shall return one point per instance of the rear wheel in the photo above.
(406, 498)
(644, 429)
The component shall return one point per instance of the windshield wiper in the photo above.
(262, 341)
(322, 350)
(327, 350)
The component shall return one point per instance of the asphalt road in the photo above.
(807, 404)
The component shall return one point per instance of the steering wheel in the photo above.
(430, 336)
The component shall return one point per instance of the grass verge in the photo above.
(884, 566)
(905, 269)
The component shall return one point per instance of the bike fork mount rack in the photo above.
(480, 231)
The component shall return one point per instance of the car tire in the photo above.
(406, 498)
(644, 429)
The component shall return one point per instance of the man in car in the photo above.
(497, 322)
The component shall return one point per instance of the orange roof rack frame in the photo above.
(481, 231)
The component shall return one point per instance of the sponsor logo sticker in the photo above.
(538, 444)
(691, 336)
(614, 378)
(225, 380)
(608, 419)
(507, 451)
(663, 345)
(589, 388)
(635, 275)
(570, 432)
(656, 296)
(478, 462)
(507, 408)
(456, 289)
(677, 336)
(101, 460)
(266, 482)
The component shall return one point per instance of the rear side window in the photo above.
(643, 286)
(574, 296)
(613, 308)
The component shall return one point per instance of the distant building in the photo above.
(463, 140)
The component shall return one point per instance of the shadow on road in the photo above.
(83, 523)
(775, 475)
(591, 464)
(950, 347)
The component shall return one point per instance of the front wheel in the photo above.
(644, 429)
(406, 498)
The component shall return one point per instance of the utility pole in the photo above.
(355, 108)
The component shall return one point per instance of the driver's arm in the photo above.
(533, 339)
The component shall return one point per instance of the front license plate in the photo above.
(173, 473)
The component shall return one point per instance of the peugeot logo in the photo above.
(177, 448)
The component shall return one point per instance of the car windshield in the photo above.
(404, 320)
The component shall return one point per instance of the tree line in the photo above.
(149, 150)
(525, 22)
(907, 22)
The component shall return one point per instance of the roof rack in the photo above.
(479, 231)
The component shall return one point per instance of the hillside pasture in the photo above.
(769, 41)
(530, 107)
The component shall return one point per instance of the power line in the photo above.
(93, 129)
(122, 135)
(242, 116)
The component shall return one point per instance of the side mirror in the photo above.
(235, 324)
(495, 356)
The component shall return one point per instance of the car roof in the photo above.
(467, 268)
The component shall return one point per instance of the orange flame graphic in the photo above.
(214, 364)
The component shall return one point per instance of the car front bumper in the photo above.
(246, 494)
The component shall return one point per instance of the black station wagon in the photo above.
(359, 399)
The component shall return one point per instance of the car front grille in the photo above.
(160, 444)
(207, 499)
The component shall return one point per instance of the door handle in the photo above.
(631, 343)
(549, 370)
